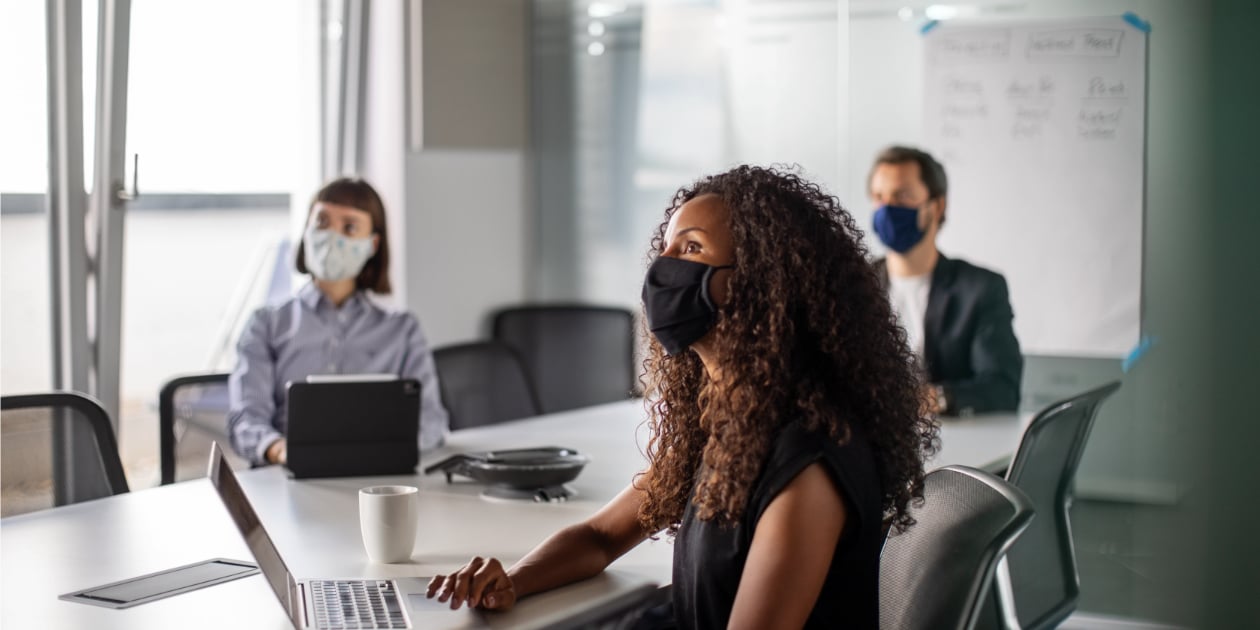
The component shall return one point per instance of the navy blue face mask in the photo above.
(677, 302)
(898, 227)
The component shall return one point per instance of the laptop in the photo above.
(368, 604)
(354, 425)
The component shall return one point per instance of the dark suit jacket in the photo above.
(969, 345)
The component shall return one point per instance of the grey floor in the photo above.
(1128, 558)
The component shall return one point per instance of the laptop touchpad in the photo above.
(430, 613)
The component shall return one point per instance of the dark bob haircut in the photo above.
(356, 193)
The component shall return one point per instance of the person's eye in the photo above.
(692, 247)
(321, 222)
(350, 229)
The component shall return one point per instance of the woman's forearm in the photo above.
(583, 550)
(572, 554)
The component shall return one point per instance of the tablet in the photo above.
(353, 427)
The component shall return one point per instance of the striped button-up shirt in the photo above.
(309, 335)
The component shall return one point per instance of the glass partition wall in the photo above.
(633, 99)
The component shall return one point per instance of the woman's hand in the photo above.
(575, 553)
(932, 400)
(277, 453)
(480, 583)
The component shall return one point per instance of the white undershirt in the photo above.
(909, 298)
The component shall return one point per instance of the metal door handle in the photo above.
(131, 195)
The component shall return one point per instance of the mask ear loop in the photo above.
(704, 287)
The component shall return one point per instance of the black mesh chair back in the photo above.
(198, 402)
(934, 575)
(58, 449)
(483, 383)
(575, 355)
(1042, 564)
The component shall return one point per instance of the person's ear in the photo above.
(937, 207)
(376, 243)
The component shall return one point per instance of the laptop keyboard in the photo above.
(356, 604)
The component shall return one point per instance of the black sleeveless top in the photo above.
(709, 557)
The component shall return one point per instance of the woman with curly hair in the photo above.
(785, 420)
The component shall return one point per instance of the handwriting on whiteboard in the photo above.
(1026, 104)
(1074, 42)
(1041, 127)
(970, 47)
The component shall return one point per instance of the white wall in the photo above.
(384, 133)
(787, 73)
(885, 102)
(466, 235)
(458, 203)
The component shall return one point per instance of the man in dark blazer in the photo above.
(957, 316)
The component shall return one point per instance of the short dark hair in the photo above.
(356, 193)
(930, 170)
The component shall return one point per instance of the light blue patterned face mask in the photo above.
(331, 256)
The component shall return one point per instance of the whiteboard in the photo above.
(1041, 129)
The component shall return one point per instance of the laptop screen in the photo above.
(256, 538)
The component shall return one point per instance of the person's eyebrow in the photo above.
(690, 229)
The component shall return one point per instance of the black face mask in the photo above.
(676, 298)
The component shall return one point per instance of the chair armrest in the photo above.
(166, 417)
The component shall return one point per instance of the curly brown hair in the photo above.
(807, 336)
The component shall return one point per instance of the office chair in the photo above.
(483, 383)
(576, 355)
(1037, 584)
(199, 400)
(67, 434)
(934, 575)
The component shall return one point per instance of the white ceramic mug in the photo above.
(387, 518)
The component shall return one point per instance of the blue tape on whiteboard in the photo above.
(1144, 345)
(1137, 22)
(931, 24)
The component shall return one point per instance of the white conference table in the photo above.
(315, 525)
